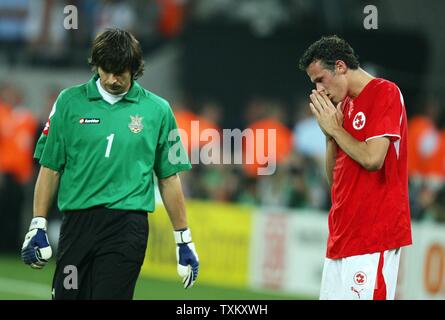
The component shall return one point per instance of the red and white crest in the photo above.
(359, 121)
(360, 278)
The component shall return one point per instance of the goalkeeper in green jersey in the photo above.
(103, 141)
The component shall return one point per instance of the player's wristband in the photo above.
(183, 236)
(38, 223)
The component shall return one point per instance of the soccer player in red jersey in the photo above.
(365, 124)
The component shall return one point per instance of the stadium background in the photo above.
(230, 64)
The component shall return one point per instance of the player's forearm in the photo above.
(45, 191)
(357, 150)
(173, 198)
(331, 152)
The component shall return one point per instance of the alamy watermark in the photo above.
(71, 20)
(208, 147)
(70, 282)
(371, 20)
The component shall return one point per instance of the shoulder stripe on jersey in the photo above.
(53, 110)
(397, 143)
(401, 97)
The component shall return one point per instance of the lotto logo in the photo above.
(89, 121)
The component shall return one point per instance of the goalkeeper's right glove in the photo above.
(36, 249)
(187, 257)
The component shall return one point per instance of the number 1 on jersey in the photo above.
(110, 143)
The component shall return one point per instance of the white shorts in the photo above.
(364, 277)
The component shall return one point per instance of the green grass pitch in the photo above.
(20, 282)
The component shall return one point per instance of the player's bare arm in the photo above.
(186, 255)
(369, 154)
(173, 198)
(36, 250)
(45, 191)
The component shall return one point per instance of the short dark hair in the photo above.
(116, 51)
(328, 50)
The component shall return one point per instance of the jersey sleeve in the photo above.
(43, 136)
(170, 157)
(387, 116)
(50, 148)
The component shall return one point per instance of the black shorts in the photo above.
(100, 254)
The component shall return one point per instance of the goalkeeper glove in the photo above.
(36, 249)
(186, 256)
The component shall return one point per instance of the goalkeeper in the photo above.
(103, 141)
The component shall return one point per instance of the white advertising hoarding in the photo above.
(422, 268)
(288, 249)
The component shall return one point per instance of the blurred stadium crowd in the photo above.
(30, 31)
(30, 35)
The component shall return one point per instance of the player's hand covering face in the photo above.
(328, 116)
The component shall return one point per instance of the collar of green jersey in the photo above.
(93, 94)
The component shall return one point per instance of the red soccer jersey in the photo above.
(370, 209)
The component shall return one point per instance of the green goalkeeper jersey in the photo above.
(106, 153)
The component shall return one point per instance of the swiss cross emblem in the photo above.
(360, 278)
(359, 121)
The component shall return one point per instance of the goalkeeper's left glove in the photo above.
(36, 249)
(187, 257)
